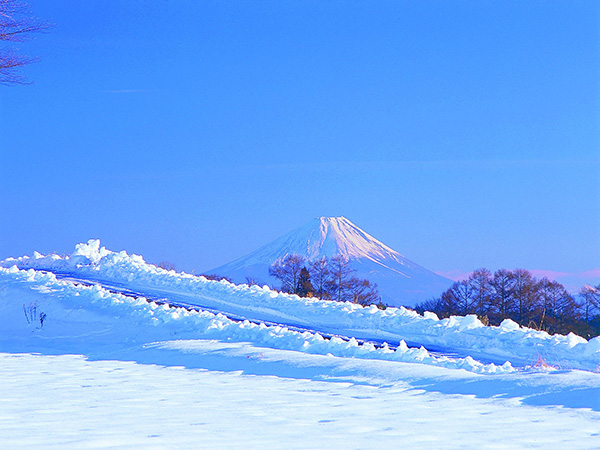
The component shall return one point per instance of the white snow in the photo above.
(58, 402)
(108, 370)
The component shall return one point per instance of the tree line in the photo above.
(325, 278)
(518, 295)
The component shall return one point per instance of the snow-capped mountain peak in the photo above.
(400, 280)
(325, 236)
(353, 242)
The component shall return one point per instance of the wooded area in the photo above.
(517, 295)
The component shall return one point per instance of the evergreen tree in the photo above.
(304, 287)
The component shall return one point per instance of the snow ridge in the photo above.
(465, 335)
(61, 299)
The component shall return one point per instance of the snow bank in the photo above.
(79, 312)
(466, 335)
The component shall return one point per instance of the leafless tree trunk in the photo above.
(319, 274)
(341, 272)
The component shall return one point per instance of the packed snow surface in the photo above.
(400, 281)
(93, 353)
(71, 402)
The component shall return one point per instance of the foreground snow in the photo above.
(68, 402)
(108, 370)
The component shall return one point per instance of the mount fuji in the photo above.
(399, 280)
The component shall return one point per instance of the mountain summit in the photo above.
(399, 280)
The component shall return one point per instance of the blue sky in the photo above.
(462, 134)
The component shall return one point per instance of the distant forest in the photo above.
(541, 304)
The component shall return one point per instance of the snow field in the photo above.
(68, 402)
(466, 335)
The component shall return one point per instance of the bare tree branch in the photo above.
(16, 25)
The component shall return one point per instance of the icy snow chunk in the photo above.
(470, 322)
(507, 366)
(430, 315)
(573, 340)
(463, 323)
(134, 258)
(593, 345)
(509, 325)
(88, 253)
(402, 347)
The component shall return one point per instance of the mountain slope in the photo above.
(399, 280)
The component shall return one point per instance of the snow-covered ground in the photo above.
(110, 368)
(67, 401)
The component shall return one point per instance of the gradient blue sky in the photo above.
(462, 134)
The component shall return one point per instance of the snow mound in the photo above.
(61, 310)
(465, 336)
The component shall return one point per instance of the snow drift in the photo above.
(466, 336)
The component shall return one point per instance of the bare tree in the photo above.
(363, 292)
(340, 272)
(480, 281)
(324, 278)
(251, 281)
(319, 275)
(16, 25)
(502, 285)
(167, 265)
(519, 296)
(525, 295)
(591, 301)
(215, 277)
(557, 309)
(287, 270)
